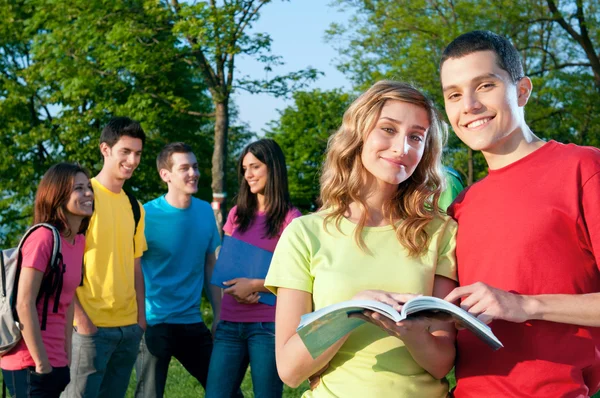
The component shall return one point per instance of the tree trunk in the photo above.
(218, 161)
(469, 166)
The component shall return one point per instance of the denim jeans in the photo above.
(101, 363)
(26, 383)
(191, 344)
(236, 345)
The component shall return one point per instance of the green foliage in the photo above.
(213, 34)
(302, 132)
(67, 68)
(404, 40)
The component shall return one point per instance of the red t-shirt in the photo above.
(37, 250)
(231, 310)
(532, 227)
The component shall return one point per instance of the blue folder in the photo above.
(238, 259)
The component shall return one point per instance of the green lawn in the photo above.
(181, 385)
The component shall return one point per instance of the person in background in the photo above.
(380, 236)
(454, 186)
(246, 333)
(182, 238)
(38, 366)
(109, 307)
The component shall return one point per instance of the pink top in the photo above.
(231, 310)
(36, 253)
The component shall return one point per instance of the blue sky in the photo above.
(297, 28)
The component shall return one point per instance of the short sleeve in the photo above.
(37, 249)
(229, 226)
(290, 266)
(446, 260)
(591, 213)
(140, 238)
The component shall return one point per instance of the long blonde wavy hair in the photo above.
(415, 203)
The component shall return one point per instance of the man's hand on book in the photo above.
(242, 290)
(393, 299)
(488, 303)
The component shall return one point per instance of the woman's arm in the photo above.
(30, 281)
(294, 362)
(429, 341)
(69, 330)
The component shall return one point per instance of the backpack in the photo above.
(11, 260)
(137, 213)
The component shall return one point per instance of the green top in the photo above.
(329, 265)
(453, 187)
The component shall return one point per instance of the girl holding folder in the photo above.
(379, 231)
(246, 333)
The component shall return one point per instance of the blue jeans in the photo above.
(102, 362)
(191, 344)
(26, 383)
(236, 345)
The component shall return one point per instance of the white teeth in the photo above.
(87, 203)
(478, 123)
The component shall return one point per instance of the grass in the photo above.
(181, 385)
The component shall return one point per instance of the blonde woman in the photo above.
(378, 236)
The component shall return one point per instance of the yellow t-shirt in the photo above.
(108, 292)
(331, 267)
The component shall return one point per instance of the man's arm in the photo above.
(82, 320)
(212, 291)
(489, 303)
(140, 293)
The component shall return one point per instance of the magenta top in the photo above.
(36, 251)
(231, 310)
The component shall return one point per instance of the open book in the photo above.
(321, 329)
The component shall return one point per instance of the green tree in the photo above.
(404, 40)
(65, 69)
(302, 132)
(214, 35)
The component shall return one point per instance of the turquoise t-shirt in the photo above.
(173, 266)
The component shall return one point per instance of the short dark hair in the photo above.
(120, 126)
(164, 160)
(277, 196)
(507, 56)
(52, 196)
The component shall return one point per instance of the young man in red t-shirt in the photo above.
(528, 245)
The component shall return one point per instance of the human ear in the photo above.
(165, 175)
(104, 149)
(524, 87)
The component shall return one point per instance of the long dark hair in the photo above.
(277, 196)
(53, 194)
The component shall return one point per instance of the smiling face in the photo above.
(394, 148)
(255, 173)
(81, 200)
(123, 158)
(183, 176)
(483, 105)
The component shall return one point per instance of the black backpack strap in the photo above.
(137, 213)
